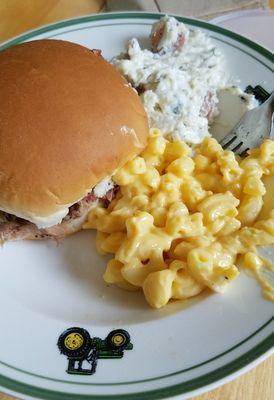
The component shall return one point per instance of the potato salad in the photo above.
(178, 79)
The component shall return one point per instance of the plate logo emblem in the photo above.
(83, 351)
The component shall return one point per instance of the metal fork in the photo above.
(253, 127)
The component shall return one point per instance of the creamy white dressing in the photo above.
(46, 221)
(178, 80)
(40, 222)
(103, 187)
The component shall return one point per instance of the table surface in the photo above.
(17, 16)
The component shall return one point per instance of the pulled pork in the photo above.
(14, 228)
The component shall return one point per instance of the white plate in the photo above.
(257, 25)
(184, 349)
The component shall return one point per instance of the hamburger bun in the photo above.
(67, 120)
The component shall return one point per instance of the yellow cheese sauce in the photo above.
(184, 217)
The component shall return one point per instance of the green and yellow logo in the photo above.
(80, 349)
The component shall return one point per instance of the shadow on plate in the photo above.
(65, 282)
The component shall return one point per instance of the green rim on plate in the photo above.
(213, 376)
(174, 390)
(126, 15)
(216, 357)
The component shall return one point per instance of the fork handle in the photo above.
(269, 104)
(271, 100)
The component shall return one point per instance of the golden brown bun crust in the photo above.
(62, 108)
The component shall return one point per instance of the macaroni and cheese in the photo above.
(182, 216)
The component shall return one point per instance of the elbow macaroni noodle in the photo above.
(181, 219)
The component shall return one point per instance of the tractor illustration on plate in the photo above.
(81, 349)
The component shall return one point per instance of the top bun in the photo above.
(67, 120)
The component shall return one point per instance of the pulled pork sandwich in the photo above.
(68, 120)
